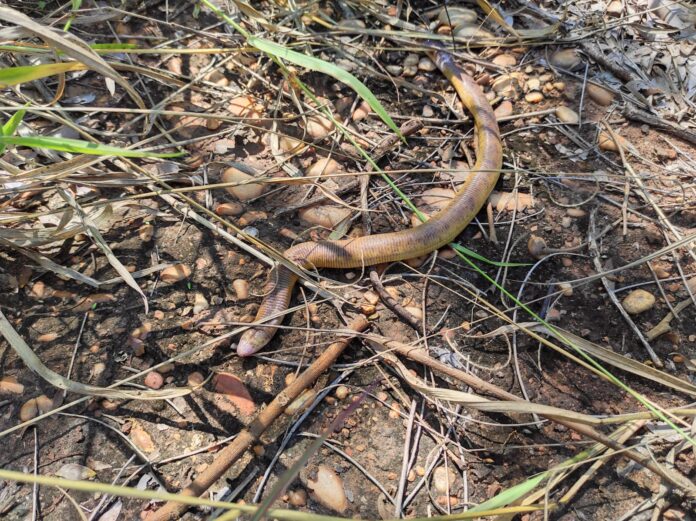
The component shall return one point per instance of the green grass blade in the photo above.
(315, 64)
(10, 76)
(77, 146)
(9, 128)
(310, 62)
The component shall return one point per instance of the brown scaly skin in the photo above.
(439, 230)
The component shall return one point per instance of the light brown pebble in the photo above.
(568, 59)
(47, 337)
(503, 110)
(29, 410)
(259, 451)
(415, 311)
(599, 95)
(453, 15)
(342, 392)
(371, 297)
(44, 404)
(231, 209)
(505, 60)
(200, 303)
(323, 166)
(325, 216)
(290, 145)
(297, 498)
(252, 217)
(606, 142)
(241, 288)
(420, 470)
(246, 190)
(567, 115)
(444, 480)
(533, 84)
(194, 379)
(426, 64)
(411, 476)
(318, 126)
(638, 301)
(394, 412)
(154, 380)
(175, 273)
(10, 385)
(567, 262)
(566, 289)
(661, 273)
(245, 107)
(534, 97)
(615, 8)
(466, 30)
(146, 232)
(559, 85)
(363, 110)
(576, 212)
(328, 489)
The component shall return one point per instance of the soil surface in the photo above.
(573, 195)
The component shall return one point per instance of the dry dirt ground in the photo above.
(572, 190)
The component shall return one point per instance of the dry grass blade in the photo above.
(71, 46)
(34, 363)
(93, 231)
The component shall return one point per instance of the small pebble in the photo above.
(10, 385)
(154, 380)
(452, 15)
(534, 97)
(328, 489)
(47, 337)
(503, 110)
(323, 166)
(318, 126)
(342, 392)
(195, 379)
(615, 8)
(200, 303)
(638, 301)
(241, 288)
(444, 480)
(568, 59)
(426, 64)
(231, 209)
(245, 107)
(599, 95)
(146, 231)
(244, 191)
(29, 410)
(297, 498)
(505, 60)
(576, 212)
(567, 115)
(471, 31)
(533, 84)
(175, 273)
(363, 110)
(566, 289)
(325, 216)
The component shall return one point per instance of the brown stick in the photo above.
(230, 454)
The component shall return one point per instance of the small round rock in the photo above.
(567, 115)
(154, 380)
(534, 97)
(568, 59)
(638, 301)
(342, 392)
